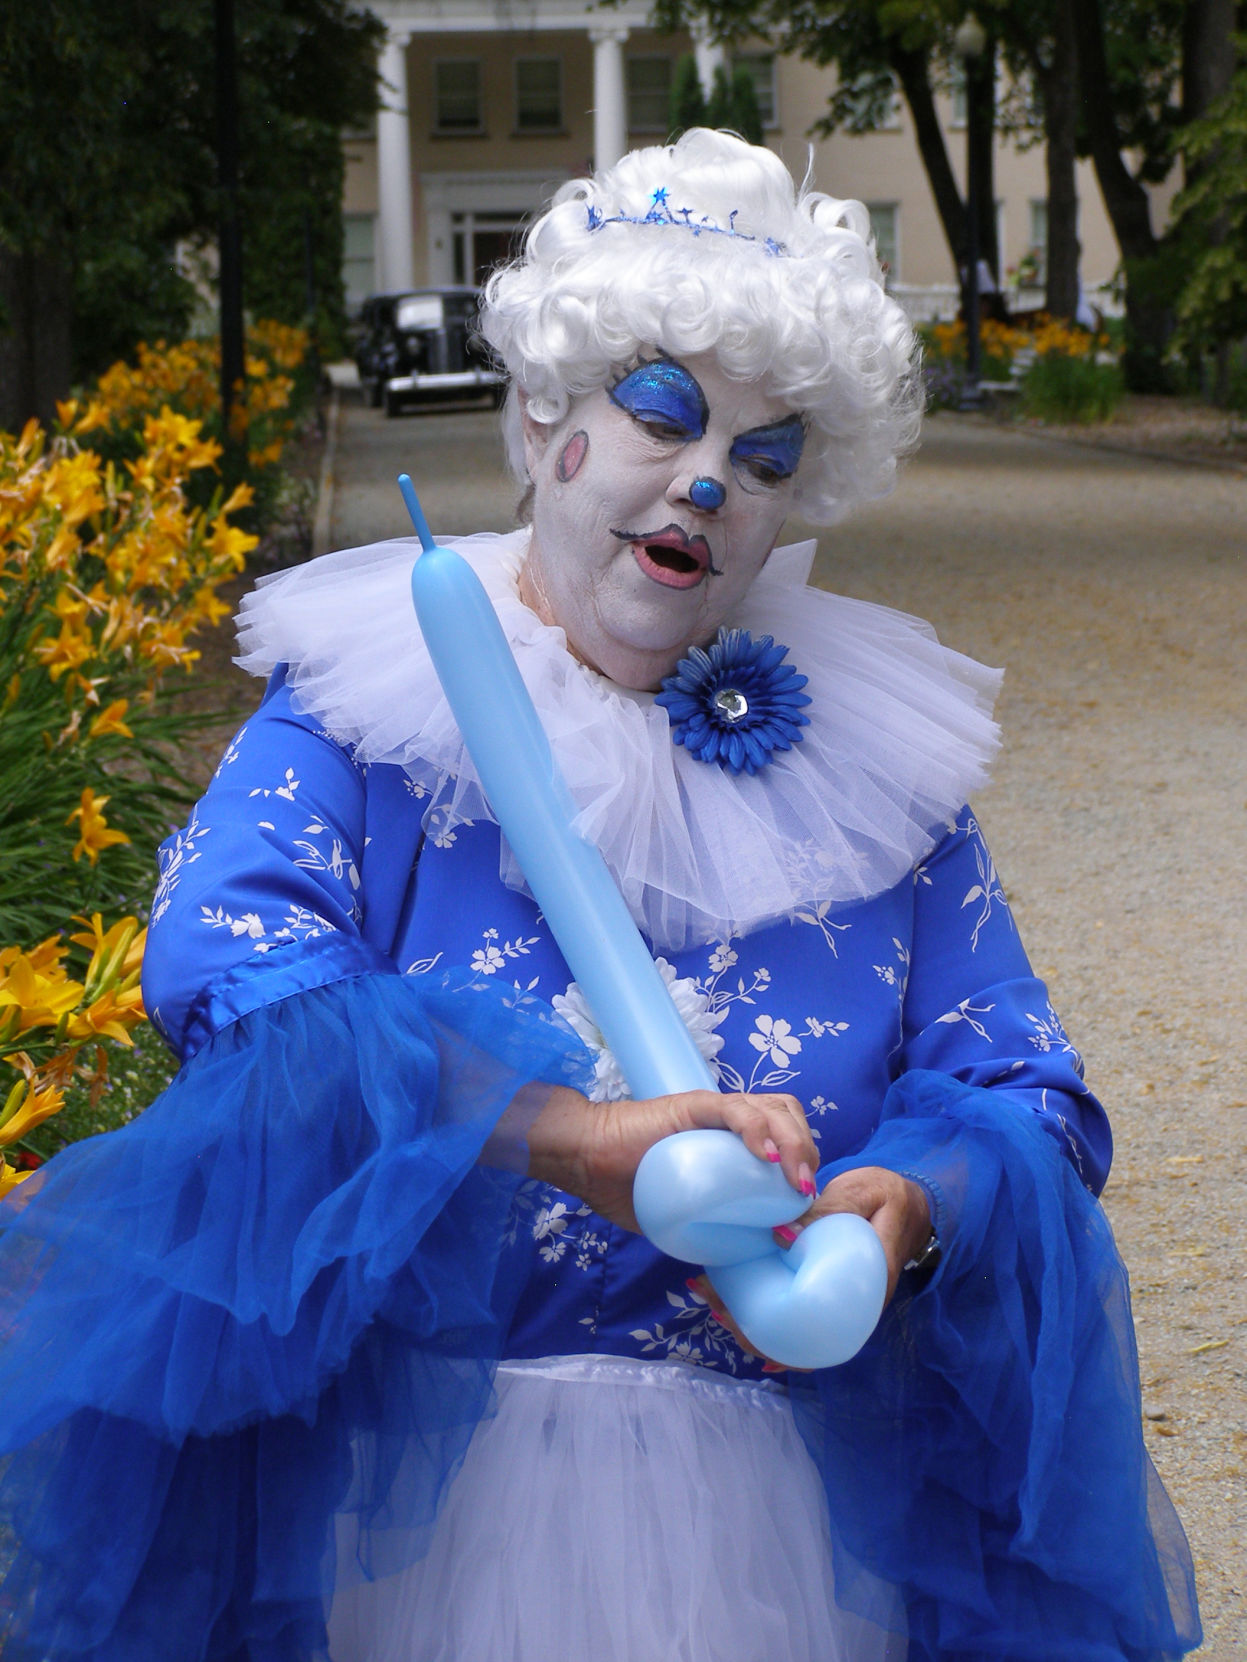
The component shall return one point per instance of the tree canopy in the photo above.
(733, 100)
(108, 156)
(1120, 81)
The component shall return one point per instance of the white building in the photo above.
(488, 106)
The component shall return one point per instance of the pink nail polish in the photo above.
(785, 1233)
(771, 1151)
(693, 1288)
(718, 1316)
(805, 1179)
(774, 1367)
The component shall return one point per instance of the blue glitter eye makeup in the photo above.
(664, 398)
(766, 456)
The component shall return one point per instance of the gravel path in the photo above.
(1112, 587)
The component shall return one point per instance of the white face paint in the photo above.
(656, 504)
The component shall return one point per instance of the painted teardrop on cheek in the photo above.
(571, 457)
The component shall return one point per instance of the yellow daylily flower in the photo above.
(9, 1179)
(67, 651)
(110, 1016)
(30, 997)
(109, 721)
(242, 496)
(95, 834)
(117, 951)
(28, 1105)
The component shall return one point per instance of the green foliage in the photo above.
(746, 116)
(719, 105)
(1058, 387)
(125, 292)
(107, 151)
(135, 1078)
(44, 777)
(1212, 303)
(688, 101)
(733, 101)
(1153, 286)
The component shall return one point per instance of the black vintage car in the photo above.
(423, 344)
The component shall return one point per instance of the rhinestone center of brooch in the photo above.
(731, 704)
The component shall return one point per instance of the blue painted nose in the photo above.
(706, 494)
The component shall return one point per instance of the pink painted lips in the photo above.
(670, 556)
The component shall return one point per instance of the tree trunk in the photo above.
(1149, 300)
(229, 241)
(1125, 199)
(1060, 96)
(911, 72)
(1207, 55)
(36, 315)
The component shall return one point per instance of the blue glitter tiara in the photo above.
(660, 212)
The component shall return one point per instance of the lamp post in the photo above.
(233, 359)
(970, 43)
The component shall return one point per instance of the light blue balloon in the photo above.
(567, 875)
(699, 1196)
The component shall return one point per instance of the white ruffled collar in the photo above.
(900, 734)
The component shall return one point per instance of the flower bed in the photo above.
(1063, 373)
(116, 532)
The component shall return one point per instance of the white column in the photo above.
(708, 55)
(396, 239)
(610, 103)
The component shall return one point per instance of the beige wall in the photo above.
(504, 175)
(887, 167)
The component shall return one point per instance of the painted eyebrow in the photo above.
(780, 442)
(664, 389)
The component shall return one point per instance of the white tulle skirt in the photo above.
(621, 1511)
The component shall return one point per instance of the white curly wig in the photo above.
(781, 285)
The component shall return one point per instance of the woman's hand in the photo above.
(895, 1206)
(592, 1149)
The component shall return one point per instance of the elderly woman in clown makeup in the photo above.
(349, 1346)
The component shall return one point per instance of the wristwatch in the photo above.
(928, 1258)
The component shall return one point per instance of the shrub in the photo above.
(1074, 377)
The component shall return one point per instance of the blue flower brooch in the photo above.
(736, 703)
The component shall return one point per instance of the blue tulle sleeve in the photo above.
(245, 1340)
(984, 1452)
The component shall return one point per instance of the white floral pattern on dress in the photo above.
(492, 956)
(173, 856)
(231, 752)
(697, 1335)
(337, 862)
(969, 1013)
(987, 892)
(286, 789)
(821, 918)
(1050, 1035)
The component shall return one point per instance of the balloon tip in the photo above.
(416, 511)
